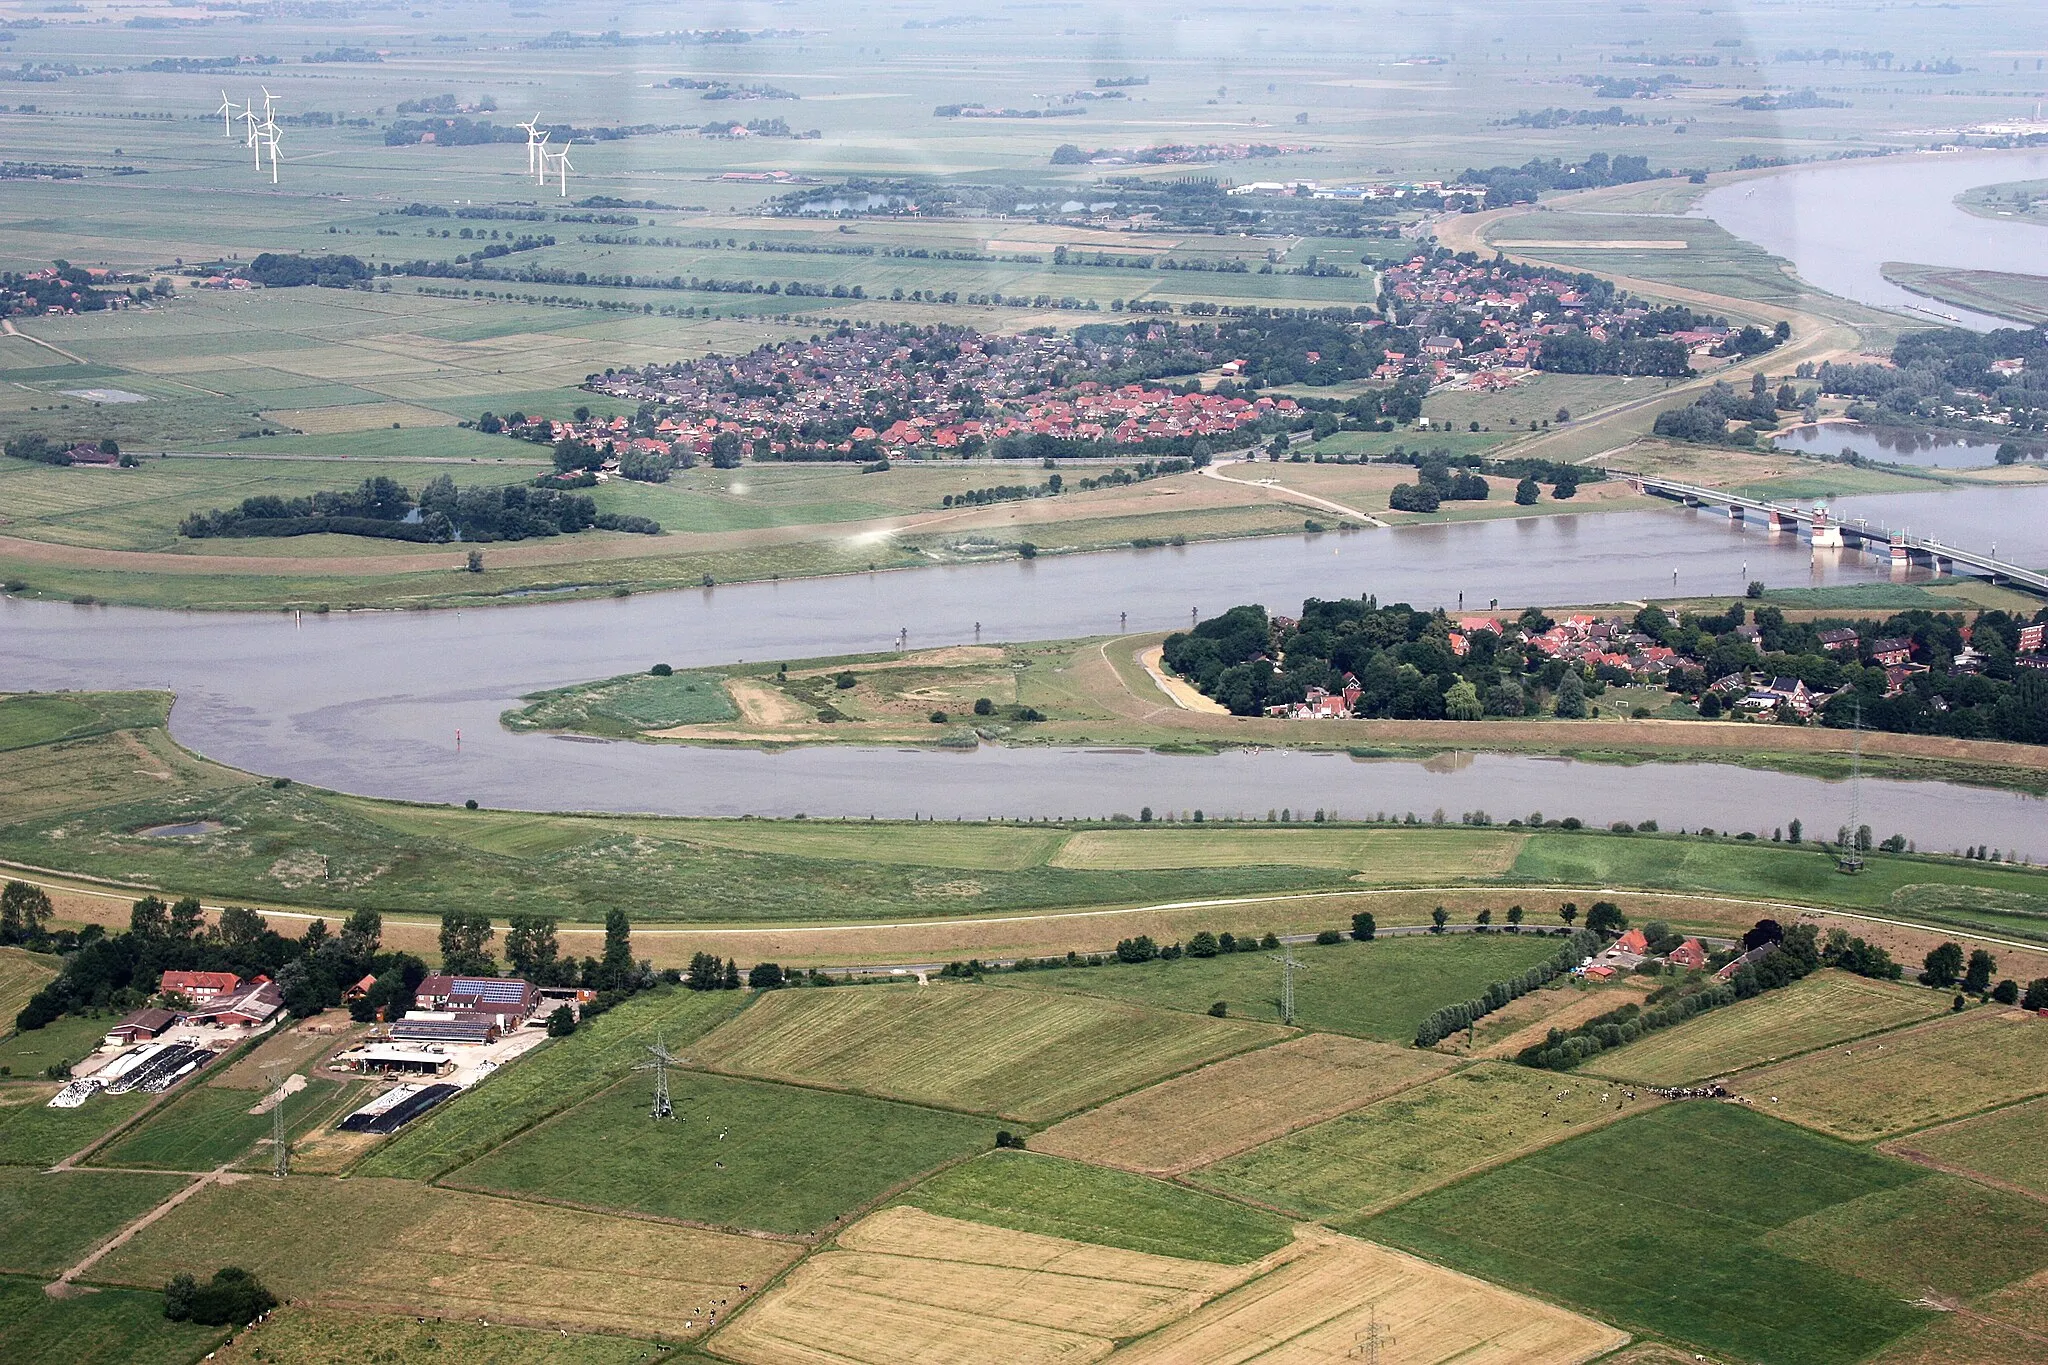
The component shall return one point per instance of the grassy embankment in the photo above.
(2022, 298)
(298, 850)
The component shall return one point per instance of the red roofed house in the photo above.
(257, 1003)
(1633, 942)
(1689, 955)
(200, 987)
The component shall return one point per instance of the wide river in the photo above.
(1840, 222)
(372, 702)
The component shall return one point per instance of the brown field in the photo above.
(288, 1051)
(905, 1285)
(1237, 1104)
(395, 1246)
(2010, 1324)
(1529, 1019)
(1315, 1307)
(1908, 944)
(1896, 1082)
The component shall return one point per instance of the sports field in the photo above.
(1910, 1079)
(395, 1246)
(1816, 1011)
(1029, 1192)
(741, 1154)
(1376, 1156)
(547, 1081)
(113, 1324)
(1381, 989)
(2005, 1146)
(1629, 1223)
(1026, 1055)
(1231, 1105)
(48, 1222)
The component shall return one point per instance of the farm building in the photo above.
(200, 987)
(1688, 955)
(507, 1000)
(253, 1005)
(446, 1026)
(394, 1058)
(140, 1027)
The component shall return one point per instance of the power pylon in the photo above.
(663, 1060)
(1367, 1347)
(280, 1148)
(1288, 967)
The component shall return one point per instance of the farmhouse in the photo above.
(505, 1002)
(140, 1027)
(199, 987)
(1688, 955)
(251, 1006)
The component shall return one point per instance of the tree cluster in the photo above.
(441, 513)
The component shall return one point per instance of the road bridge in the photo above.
(1827, 532)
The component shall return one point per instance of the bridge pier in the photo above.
(1782, 521)
(1734, 513)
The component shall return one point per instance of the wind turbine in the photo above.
(226, 112)
(268, 131)
(534, 138)
(562, 166)
(537, 156)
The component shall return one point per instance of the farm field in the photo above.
(1816, 1011)
(740, 1154)
(1028, 1192)
(113, 1324)
(22, 974)
(48, 1222)
(1714, 1187)
(1381, 989)
(210, 1125)
(395, 1246)
(2004, 1146)
(303, 1334)
(968, 1292)
(33, 1134)
(556, 1076)
(1909, 1079)
(1017, 1054)
(1943, 1237)
(1229, 1106)
(1384, 1153)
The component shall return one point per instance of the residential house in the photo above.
(1688, 955)
(199, 987)
(1892, 652)
(1839, 640)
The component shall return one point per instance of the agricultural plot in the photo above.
(1238, 1103)
(1941, 1237)
(21, 976)
(966, 1292)
(1633, 1223)
(547, 1081)
(2004, 1147)
(1318, 1306)
(210, 1125)
(1027, 1192)
(1817, 1011)
(302, 1334)
(1379, 856)
(1378, 990)
(113, 1324)
(49, 1221)
(33, 1134)
(1911, 1079)
(396, 1246)
(738, 1153)
(1376, 1156)
(1025, 1055)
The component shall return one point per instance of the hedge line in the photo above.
(1451, 1018)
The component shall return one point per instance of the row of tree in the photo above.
(1449, 1019)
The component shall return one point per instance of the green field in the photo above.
(1022, 1055)
(627, 705)
(1910, 1079)
(548, 1081)
(2005, 1146)
(1381, 989)
(1825, 1008)
(740, 1154)
(1667, 1224)
(1943, 1236)
(1042, 1194)
(48, 1222)
(1381, 1154)
(67, 1040)
(33, 1134)
(302, 1334)
(22, 974)
(210, 1125)
(112, 1324)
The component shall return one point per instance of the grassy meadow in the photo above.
(2003, 1146)
(51, 1220)
(112, 1324)
(302, 1334)
(739, 1154)
(1709, 1252)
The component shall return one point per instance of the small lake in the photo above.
(1890, 445)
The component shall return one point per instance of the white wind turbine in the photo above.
(562, 168)
(268, 132)
(538, 153)
(226, 112)
(534, 139)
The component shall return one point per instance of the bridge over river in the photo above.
(1827, 532)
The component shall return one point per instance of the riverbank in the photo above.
(86, 775)
(1108, 691)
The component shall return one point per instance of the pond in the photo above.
(1890, 445)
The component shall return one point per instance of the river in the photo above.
(372, 702)
(1839, 222)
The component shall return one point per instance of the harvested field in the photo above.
(48, 1221)
(2005, 1147)
(1941, 1237)
(1025, 1055)
(1232, 1105)
(21, 976)
(1389, 1151)
(1317, 1306)
(395, 1246)
(1529, 1020)
(909, 1285)
(1827, 1007)
(302, 1334)
(1910, 1079)
(286, 1051)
